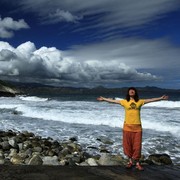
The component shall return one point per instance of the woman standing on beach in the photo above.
(132, 129)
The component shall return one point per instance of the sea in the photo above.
(82, 116)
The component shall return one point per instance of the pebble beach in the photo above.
(23, 155)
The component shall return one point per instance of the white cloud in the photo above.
(135, 53)
(8, 25)
(107, 14)
(26, 61)
(59, 16)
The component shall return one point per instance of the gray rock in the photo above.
(91, 162)
(16, 159)
(2, 160)
(83, 164)
(12, 141)
(35, 160)
(37, 149)
(160, 159)
(110, 160)
(105, 140)
(48, 160)
(5, 145)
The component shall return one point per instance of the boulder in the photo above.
(160, 159)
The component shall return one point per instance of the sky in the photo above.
(82, 43)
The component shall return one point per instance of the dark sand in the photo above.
(24, 172)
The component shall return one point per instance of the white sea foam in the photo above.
(95, 113)
(161, 122)
(32, 98)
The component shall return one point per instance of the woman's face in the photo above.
(132, 92)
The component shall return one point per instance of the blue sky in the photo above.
(113, 43)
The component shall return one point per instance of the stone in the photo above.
(2, 160)
(37, 149)
(75, 138)
(35, 160)
(63, 162)
(107, 159)
(16, 159)
(12, 152)
(91, 162)
(48, 160)
(5, 145)
(160, 159)
(105, 140)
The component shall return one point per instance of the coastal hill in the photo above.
(13, 88)
(36, 88)
(7, 89)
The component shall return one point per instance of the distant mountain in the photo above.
(7, 89)
(41, 89)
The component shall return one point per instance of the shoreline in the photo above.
(25, 148)
(23, 155)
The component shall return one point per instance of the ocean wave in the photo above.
(95, 113)
(32, 98)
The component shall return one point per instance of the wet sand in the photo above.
(26, 172)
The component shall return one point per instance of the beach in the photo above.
(25, 156)
(81, 138)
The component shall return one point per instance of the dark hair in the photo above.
(136, 97)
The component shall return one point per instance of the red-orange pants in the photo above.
(132, 143)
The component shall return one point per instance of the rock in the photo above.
(74, 147)
(91, 162)
(2, 160)
(110, 160)
(65, 152)
(6, 145)
(83, 164)
(37, 149)
(27, 134)
(12, 141)
(103, 149)
(1, 157)
(105, 140)
(15, 112)
(16, 159)
(160, 159)
(92, 147)
(12, 152)
(35, 160)
(76, 159)
(48, 160)
(26, 148)
(63, 162)
(75, 138)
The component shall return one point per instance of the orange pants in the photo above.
(132, 143)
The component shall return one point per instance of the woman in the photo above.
(132, 129)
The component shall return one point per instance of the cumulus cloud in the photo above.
(43, 64)
(8, 25)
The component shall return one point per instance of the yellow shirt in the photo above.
(132, 113)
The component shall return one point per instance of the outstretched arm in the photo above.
(164, 97)
(110, 100)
